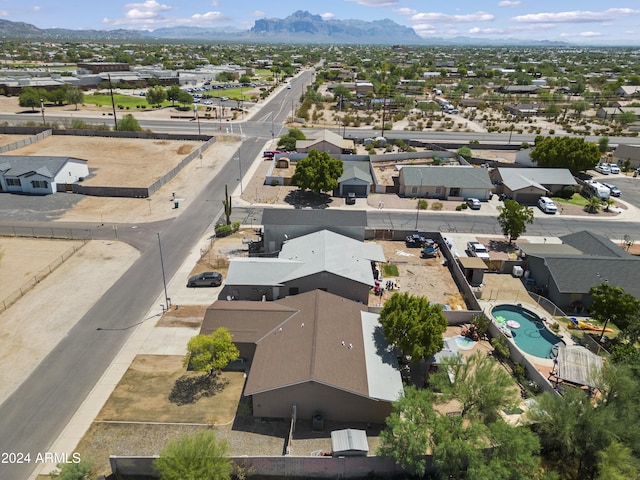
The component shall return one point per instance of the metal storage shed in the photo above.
(349, 443)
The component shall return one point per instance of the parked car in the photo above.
(205, 279)
(615, 191)
(474, 203)
(476, 249)
(603, 168)
(351, 198)
(546, 205)
(614, 168)
(415, 240)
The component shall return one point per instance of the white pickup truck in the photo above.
(476, 249)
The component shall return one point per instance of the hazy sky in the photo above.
(578, 21)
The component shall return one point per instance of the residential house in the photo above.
(522, 109)
(565, 272)
(318, 352)
(608, 113)
(281, 224)
(356, 178)
(326, 141)
(322, 260)
(40, 175)
(445, 181)
(627, 152)
(519, 89)
(628, 90)
(527, 185)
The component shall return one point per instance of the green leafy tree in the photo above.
(57, 96)
(156, 95)
(129, 124)
(318, 172)
(626, 118)
(75, 96)
(288, 141)
(407, 436)
(184, 98)
(195, 457)
(72, 471)
(413, 325)
(479, 383)
(513, 219)
(465, 152)
(565, 152)
(173, 94)
(211, 353)
(617, 462)
(611, 303)
(603, 144)
(29, 98)
(245, 79)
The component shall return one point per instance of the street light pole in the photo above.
(164, 278)
(240, 166)
(167, 300)
(42, 110)
(195, 113)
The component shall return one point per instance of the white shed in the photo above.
(349, 443)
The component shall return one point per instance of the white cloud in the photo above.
(327, 15)
(444, 18)
(425, 29)
(203, 19)
(215, 3)
(406, 11)
(582, 34)
(509, 3)
(258, 14)
(36, 8)
(576, 16)
(149, 16)
(488, 31)
(375, 3)
(148, 10)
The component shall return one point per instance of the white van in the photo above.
(546, 205)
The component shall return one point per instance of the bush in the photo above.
(423, 204)
(223, 230)
(436, 206)
(500, 347)
(567, 191)
(459, 208)
(464, 206)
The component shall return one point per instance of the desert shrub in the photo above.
(436, 206)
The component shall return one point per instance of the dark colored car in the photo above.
(205, 279)
(414, 240)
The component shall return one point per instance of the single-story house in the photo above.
(527, 185)
(628, 90)
(627, 152)
(321, 353)
(281, 224)
(322, 260)
(608, 113)
(565, 273)
(522, 109)
(444, 181)
(40, 175)
(522, 89)
(356, 178)
(326, 141)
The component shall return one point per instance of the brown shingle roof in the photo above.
(321, 342)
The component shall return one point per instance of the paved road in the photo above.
(35, 414)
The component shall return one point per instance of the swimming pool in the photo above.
(464, 343)
(532, 337)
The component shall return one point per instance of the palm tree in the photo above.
(593, 205)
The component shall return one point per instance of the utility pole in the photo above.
(113, 103)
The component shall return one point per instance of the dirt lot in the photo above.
(24, 261)
(419, 276)
(116, 161)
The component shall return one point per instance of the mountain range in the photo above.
(300, 27)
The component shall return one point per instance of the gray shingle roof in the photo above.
(359, 170)
(17, 165)
(593, 244)
(518, 178)
(447, 176)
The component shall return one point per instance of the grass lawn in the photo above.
(124, 100)
(390, 270)
(576, 199)
(158, 389)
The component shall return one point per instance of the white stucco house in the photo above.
(39, 175)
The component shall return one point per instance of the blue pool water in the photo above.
(532, 337)
(464, 343)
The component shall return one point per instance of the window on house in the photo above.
(438, 190)
(13, 182)
(39, 184)
(414, 189)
